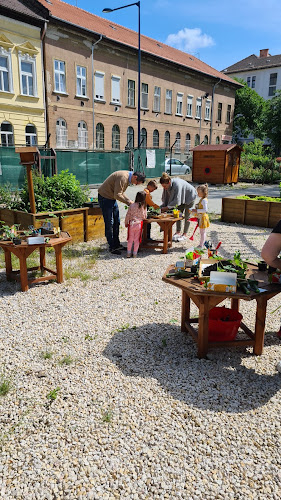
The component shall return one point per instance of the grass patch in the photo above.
(5, 386)
(107, 416)
(46, 355)
(67, 360)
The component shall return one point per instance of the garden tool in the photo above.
(194, 219)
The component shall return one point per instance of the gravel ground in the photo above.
(137, 415)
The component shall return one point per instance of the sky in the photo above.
(220, 33)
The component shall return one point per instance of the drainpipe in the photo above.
(213, 95)
(43, 59)
(93, 88)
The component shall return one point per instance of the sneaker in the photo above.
(128, 255)
(121, 248)
(181, 238)
(176, 237)
(115, 251)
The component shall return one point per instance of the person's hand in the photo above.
(130, 202)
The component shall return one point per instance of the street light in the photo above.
(205, 96)
(107, 10)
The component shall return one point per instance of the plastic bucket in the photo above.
(223, 324)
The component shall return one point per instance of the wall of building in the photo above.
(18, 38)
(112, 60)
(262, 79)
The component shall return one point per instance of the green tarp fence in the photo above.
(89, 167)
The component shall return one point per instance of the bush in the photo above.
(258, 163)
(59, 192)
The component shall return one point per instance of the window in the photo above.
(251, 81)
(217, 140)
(7, 134)
(99, 86)
(116, 137)
(187, 143)
(219, 112)
(178, 142)
(272, 84)
(168, 103)
(100, 136)
(81, 88)
(27, 75)
(197, 140)
(155, 138)
(130, 137)
(206, 140)
(6, 83)
(143, 138)
(207, 110)
(228, 113)
(157, 97)
(61, 133)
(115, 89)
(179, 103)
(82, 136)
(189, 105)
(60, 76)
(131, 92)
(30, 135)
(144, 95)
(167, 140)
(198, 108)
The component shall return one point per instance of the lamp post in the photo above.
(107, 10)
(205, 96)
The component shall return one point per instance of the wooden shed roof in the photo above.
(215, 147)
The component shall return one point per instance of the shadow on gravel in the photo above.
(162, 352)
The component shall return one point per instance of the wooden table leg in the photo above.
(8, 263)
(144, 232)
(185, 310)
(203, 327)
(23, 272)
(260, 325)
(234, 304)
(59, 263)
(165, 240)
(42, 258)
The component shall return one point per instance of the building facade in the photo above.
(261, 73)
(91, 73)
(22, 99)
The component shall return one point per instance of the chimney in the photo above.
(264, 52)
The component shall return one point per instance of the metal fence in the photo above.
(89, 167)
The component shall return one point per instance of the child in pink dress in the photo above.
(134, 222)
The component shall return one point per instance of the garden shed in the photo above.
(216, 163)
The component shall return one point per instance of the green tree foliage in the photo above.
(273, 121)
(251, 107)
(258, 163)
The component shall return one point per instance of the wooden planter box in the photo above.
(83, 224)
(251, 212)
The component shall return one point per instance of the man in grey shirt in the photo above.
(178, 192)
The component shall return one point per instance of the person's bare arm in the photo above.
(271, 250)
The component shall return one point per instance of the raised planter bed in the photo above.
(251, 212)
(83, 224)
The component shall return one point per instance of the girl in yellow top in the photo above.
(201, 212)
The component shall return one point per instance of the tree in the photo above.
(272, 121)
(249, 113)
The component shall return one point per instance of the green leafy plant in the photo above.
(88, 337)
(60, 192)
(5, 385)
(53, 394)
(46, 354)
(107, 416)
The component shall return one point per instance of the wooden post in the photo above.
(27, 157)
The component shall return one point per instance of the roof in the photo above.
(215, 147)
(97, 25)
(34, 10)
(254, 62)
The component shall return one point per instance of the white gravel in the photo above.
(137, 415)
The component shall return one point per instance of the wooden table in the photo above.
(207, 299)
(23, 251)
(166, 223)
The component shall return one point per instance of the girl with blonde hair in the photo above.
(201, 209)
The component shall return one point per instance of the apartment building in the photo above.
(91, 72)
(22, 94)
(261, 73)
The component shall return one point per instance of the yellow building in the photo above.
(22, 94)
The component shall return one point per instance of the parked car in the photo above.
(178, 167)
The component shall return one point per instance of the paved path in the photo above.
(216, 193)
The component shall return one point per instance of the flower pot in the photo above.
(223, 324)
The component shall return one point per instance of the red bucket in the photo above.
(223, 324)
